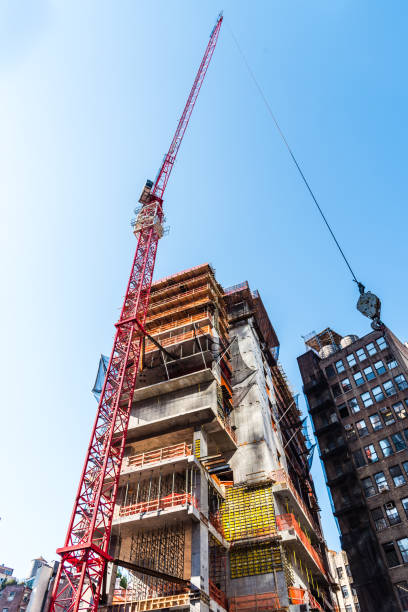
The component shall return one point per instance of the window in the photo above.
(379, 366)
(389, 388)
(370, 453)
(362, 428)
(401, 382)
(392, 364)
(11, 596)
(405, 466)
(381, 481)
(386, 447)
(403, 547)
(339, 366)
(344, 591)
(382, 343)
(351, 360)
(340, 572)
(5, 609)
(361, 354)
(368, 372)
(358, 377)
(366, 399)
(387, 415)
(348, 571)
(402, 590)
(353, 404)
(330, 371)
(336, 390)
(375, 422)
(368, 487)
(378, 519)
(392, 513)
(349, 608)
(397, 475)
(404, 502)
(359, 458)
(399, 442)
(400, 410)
(391, 554)
(343, 411)
(378, 393)
(371, 348)
(345, 385)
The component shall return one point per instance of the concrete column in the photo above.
(199, 563)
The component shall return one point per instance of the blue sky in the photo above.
(90, 95)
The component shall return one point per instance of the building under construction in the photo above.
(216, 508)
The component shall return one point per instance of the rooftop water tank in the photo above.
(328, 350)
(347, 340)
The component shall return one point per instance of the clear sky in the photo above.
(90, 94)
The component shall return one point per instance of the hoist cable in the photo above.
(271, 113)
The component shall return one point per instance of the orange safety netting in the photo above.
(162, 503)
(288, 521)
(160, 454)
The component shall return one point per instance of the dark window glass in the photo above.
(343, 411)
(398, 441)
(397, 475)
(379, 366)
(404, 502)
(402, 591)
(382, 344)
(401, 382)
(340, 572)
(405, 466)
(389, 388)
(392, 513)
(378, 393)
(375, 421)
(400, 410)
(381, 482)
(378, 518)
(348, 571)
(351, 360)
(366, 398)
(371, 350)
(336, 390)
(330, 371)
(339, 366)
(345, 384)
(387, 415)
(358, 378)
(391, 554)
(370, 453)
(359, 458)
(368, 373)
(361, 354)
(403, 547)
(344, 591)
(386, 447)
(368, 487)
(353, 404)
(362, 428)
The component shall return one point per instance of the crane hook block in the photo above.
(370, 306)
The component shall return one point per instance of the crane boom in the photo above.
(85, 551)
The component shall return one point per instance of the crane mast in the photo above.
(85, 551)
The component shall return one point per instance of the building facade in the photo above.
(346, 595)
(216, 508)
(14, 598)
(357, 391)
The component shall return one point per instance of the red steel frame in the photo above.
(85, 552)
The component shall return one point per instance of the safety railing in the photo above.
(179, 323)
(188, 335)
(217, 595)
(282, 477)
(288, 521)
(160, 454)
(215, 521)
(162, 503)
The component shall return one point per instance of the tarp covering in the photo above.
(100, 377)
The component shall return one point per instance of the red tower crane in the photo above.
(85, 552)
